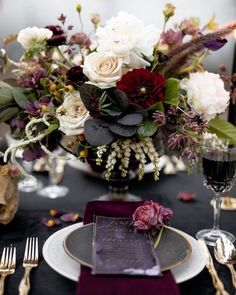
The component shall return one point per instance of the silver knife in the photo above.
(218, 284)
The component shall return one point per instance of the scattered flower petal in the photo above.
(70, 217)
(186, 197)
(50, 222)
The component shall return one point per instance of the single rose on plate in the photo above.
(151, 215)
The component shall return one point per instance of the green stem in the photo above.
(62, 56)
(81, 22)
(156, 243)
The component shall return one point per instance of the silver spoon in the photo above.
(225, 253)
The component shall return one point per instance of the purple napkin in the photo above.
(89, 284)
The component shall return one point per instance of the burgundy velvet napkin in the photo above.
(89, 284)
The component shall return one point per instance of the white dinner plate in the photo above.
(56, 257)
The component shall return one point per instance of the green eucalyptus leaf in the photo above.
(147, 129)
(172, 86)
(5, 84)
(156, 107)
(222, 129)
(8, 113)
(5, 95)
(20, 97)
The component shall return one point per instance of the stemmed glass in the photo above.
(56, 170)
(29, 184)
(219, 171)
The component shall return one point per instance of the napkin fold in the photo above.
(89, 284)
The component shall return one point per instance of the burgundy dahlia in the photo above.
(75, 76)
(58, 38)
(142, 87)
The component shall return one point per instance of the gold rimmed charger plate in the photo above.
(172, 251)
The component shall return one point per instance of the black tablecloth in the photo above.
(189, 217)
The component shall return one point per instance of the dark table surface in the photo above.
(188, 216)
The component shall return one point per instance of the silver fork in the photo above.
(30, 260)
(7, 265)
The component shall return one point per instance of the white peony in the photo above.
(32, 35)
(206, 94)
(72, 114)
(103, 69)
(126, 36)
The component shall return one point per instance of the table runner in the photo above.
(120, 285)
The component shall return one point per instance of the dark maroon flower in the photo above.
(80, 39)
(151, 216)
(215, 44)
(172, 37)
(32, 108)
(58, 38)
(32, 153)
(34, 81)
(76, 76)
(142, 87)
(17, 122)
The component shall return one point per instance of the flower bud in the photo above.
(83, 154)
(78, 8)
(169, 11)
(95, 19)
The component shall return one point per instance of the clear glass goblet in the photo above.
(29, 184)
(219, 171)
(56, 171)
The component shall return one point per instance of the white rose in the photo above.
(72, 114)
(32, 35)
(126, 36)
(206, 94)
(102, 69)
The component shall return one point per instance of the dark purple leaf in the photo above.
(90, 95)
(126, 131)
(97, 133)
(131, 119)
(215, 44)
(69, 28)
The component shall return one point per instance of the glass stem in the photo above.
(217, 204)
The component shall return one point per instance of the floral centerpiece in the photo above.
(117, 96)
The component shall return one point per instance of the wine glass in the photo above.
(219, 171)
(29, 184)
(56, 171)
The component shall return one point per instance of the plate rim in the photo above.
(74, 274)
(172, 266)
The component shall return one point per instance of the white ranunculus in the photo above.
(30, 36)
(72, 114)
(206, 94)
(127, 37)
(103, 69)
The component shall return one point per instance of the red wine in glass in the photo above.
(219, 175)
